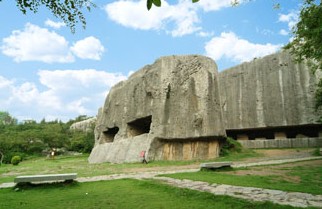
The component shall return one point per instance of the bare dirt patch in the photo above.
(282, 170)
(279, 154)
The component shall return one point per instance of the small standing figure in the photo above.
(143, 157)
(52, 154)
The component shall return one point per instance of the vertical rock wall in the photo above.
(271, 91)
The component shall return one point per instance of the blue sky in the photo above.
(48, 72)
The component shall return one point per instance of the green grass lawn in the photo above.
(70, 164)
(130, 194)
(310, 179)
(80, 165)
(122, 194)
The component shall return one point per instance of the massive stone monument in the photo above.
(180, 108)
(170, 109)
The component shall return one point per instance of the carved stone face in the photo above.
(174, 99)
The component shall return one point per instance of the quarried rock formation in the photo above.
(180, 108)
(170, 109)
(85, 125)
(273, 91)
(269, 98)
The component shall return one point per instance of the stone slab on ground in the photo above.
(45, 178)
(215, 165)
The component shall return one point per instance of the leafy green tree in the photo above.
(70, 11)
(81, 142)
(7, 119)
(307, 42)
(32, 138)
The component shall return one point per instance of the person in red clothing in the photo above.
(143, 157)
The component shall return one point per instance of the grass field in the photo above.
(119, 194)
(297, 177)
(129, 193)
(80, 165)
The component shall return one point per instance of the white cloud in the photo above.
(88, 48)
(214, 5)
(26, 92)
(69, 79)
(133, 14)
(283, 32)
(4, 82)
(5, 92)
(205, 34)
(55, 25)
(36, 44)
(64, 94)
(177, 19)
(291, 19)
(230, 46)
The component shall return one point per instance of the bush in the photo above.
(317, 152)
(82, 142)
(230, 146)
(9, 155)
(15, 160)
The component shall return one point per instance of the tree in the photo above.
(1, 158)
(7, 119)
(70, 11)
(307, 42)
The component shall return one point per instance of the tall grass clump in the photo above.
(230, 146)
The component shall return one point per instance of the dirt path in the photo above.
(266, 155)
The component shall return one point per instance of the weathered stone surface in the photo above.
(282, 143)
(179, 108)
(215, 165)
(170, 109)
(271, 91)
(46, 177)
(295, 199)
(85, 125)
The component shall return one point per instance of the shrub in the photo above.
(9, 155)
(15, 160)
(316, 152)
(229, 146)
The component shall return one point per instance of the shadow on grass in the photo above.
(46, 185)
(221, 169)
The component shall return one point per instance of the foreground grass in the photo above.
(122, 194)
(310, 179)
(80, 165)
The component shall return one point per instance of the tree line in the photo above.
(32, 138)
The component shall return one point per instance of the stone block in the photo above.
(300, 142)
(45, 178)
(215, 165)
